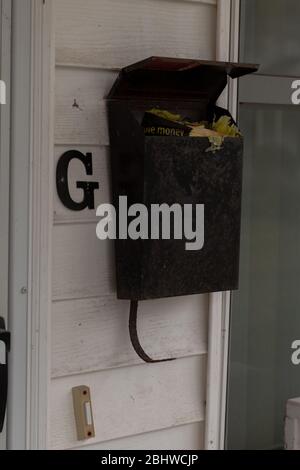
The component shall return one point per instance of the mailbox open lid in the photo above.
(174, 78)
(155, 170)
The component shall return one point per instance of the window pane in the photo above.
(266, 309)
(272, 35)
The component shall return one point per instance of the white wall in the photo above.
(136, 405)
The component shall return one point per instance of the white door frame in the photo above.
(5, 56)
(227, 47)
(31, 172)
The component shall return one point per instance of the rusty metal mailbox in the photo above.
(175, 170)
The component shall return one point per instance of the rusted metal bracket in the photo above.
(134, 336)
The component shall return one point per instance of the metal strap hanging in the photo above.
(134, 335)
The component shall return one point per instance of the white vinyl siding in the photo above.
(135, 405)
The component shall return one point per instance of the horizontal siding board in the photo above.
(92, 334)
(101, 174)
(131, 400)
(86, 122)
(114, 33)
(82, 264)
(187, 437)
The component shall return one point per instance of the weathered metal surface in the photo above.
(157, 170)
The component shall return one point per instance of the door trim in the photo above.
(30, 222)
(41, 217)
(227, 47)
(5, 59)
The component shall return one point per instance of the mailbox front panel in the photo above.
(183, 171)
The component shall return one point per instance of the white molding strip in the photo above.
(233, 107)
(212, 425)
(234, 55)
(41, 197)
(30, 222)
(219, 302)
(19, 222)
(205, 2)
(223, 30)
(5, 63)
